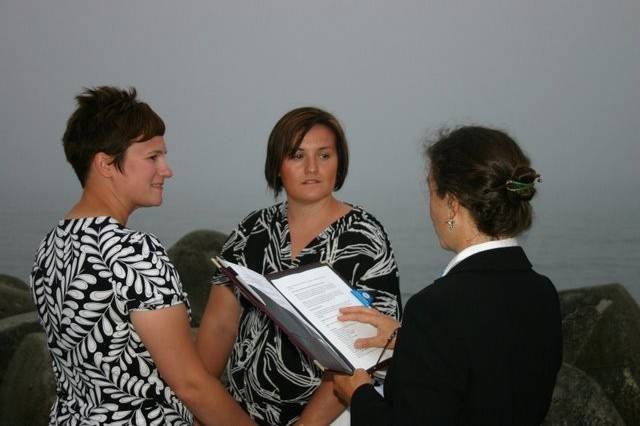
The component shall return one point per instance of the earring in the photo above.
(451, 224)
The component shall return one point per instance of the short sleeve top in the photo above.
(268, 375)
(89, 273)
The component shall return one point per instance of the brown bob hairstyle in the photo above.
(487, 172)
(107, 119)
(286, 136)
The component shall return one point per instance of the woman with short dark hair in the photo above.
(109, 299)
(274, 381)
(483, 343)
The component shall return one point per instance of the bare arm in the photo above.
(324, 406)
(167, 336)
(218, 329)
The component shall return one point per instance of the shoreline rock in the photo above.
(191, 256)
(601, 331)
(13, 329)
(15, 297)
(578, 399)
(27, 398)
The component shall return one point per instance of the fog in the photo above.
(563, 77)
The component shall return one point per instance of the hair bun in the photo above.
(521, 185)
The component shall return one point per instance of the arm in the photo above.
(324, 406)
(428, 373)
(368, 407)
(218, 329)
(167, 336)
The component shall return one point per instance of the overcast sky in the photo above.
(563, 77)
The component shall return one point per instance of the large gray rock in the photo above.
(12, 331)
(601, 330)
(27, 391)
(15, 297)
(192, 257)
(579, 400)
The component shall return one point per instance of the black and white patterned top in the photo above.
(89, 273)
(268, 375)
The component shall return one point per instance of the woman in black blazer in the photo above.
(482, 344)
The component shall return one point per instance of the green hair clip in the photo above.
(520, 187)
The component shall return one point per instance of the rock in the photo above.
(579, 400)
(192, 257)
(12, 331)
(601, 330)
(15, 297)
(28, 389)
(13, 282)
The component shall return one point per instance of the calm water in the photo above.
(573, 254)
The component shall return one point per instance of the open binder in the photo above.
(304, 303)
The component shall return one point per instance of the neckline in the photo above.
(89, 219)
(478, 248)
(333, 225)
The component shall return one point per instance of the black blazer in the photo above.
(480, 346)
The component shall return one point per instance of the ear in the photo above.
(103, 165)
(453, 204)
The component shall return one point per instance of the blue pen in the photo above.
(362, 296)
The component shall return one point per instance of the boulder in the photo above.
(601, 330)
(15, 297)
(579, 400)
(28, 389)
(12, 330)
(191, 256)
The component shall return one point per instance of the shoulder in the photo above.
(466, 294)
(364, 216)
(425, 310)
(122, 247)
(262, 217)
(144, 276)
(142, 242)
(430, 296)
(103, 235)
(256, 228)
(547, 290)
(439, 301)
(361, 222)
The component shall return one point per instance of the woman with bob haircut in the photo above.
(482, 345)
(109, 299)
(275, 382)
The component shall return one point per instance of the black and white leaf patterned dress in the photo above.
(268, 375)
(88, 275)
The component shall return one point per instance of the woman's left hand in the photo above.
(344, 385)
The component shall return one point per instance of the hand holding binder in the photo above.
(305, 302)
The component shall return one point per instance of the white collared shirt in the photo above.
(477, 248)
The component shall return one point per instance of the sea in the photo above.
(572, 253)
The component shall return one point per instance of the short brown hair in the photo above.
(287, 135)
(107, 119)
(477, 165)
